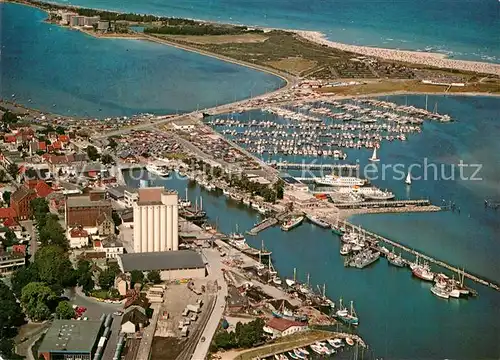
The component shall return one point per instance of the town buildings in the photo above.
(10, 261)
(156, 220)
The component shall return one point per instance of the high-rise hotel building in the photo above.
(156, 220)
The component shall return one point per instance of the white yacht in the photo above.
(332, 180)
(157, 169)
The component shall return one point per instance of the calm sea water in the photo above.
(399, 317)
(466, 29)
(67, 72)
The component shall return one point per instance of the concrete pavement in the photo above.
(215, 273)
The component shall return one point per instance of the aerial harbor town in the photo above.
(184, 235)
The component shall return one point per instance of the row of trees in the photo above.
(268, 193)
(199, 29)
(245, 336)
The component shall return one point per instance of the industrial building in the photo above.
(172, 265)
(86, 210)
(156, 220)
(71, 340)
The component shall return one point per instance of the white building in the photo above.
(278, 327)
(78, 237)
(110, 245)
(130, 197)
(156, 220)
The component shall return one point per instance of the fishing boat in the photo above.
(303, 351)
(440, 291)
(395, 260)
(292, 223)
(292, 355)
(422, 271)
(349, 317)
(317, 349)
(339, 230)
(408, 179)
(292, 282)
(345, 249)
(317, 221)
(374, 157)
(349, 341)
(185, 203)
(364, 258)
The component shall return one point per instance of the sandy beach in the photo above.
(414, 57)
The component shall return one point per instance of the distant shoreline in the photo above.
(405, 56)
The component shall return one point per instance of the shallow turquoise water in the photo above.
(85, 76)
(465, 29)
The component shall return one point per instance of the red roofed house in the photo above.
(7, 213)
(9, 139)
(21, 249)
(282, 327)
(64, 139)
(78, 237)
(43, 189)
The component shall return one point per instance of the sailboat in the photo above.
(374, 157)
(291, 282)
(408, 179)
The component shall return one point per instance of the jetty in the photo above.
(314, 166)
(374, 239)
(382, 204)
(263, 225)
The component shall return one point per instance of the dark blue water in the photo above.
(90, 77)
(400, 318)
(465, 29)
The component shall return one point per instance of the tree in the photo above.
(54, 267)
(154, 277)
(13, 170)
(65, 311)
(39, 207)
(3, 175)
(30, 174)
(21, 277)
(9, 117)
(136, 276)
(60, 130)
(11, 315)
(36, 297)
(10, 238)
(116, 218)
(83, 275)
(92, 153)
(107, 279)
(112, 143)
(52, 233)
(107, 159)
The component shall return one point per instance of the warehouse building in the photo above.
(172, 265)
(70, 340)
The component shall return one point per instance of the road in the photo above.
(215, 273)
(148, 334)
(31, 229)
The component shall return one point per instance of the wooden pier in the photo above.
(372, 237)
(382, 204)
